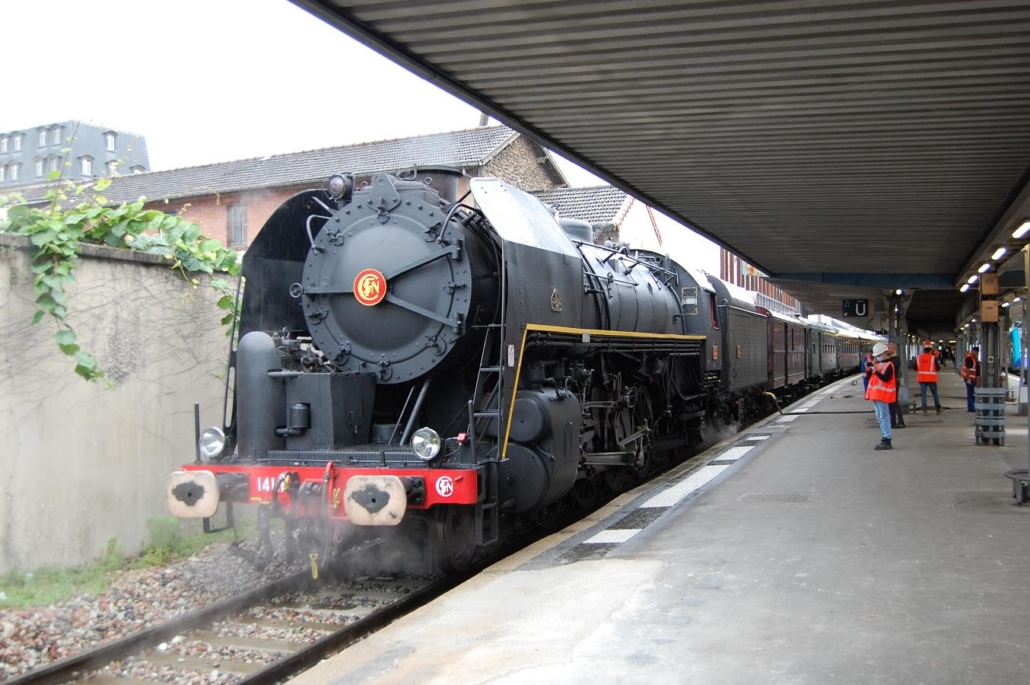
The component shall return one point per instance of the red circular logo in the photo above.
(370, 287)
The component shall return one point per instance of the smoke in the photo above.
(402, 549)
(716, 432)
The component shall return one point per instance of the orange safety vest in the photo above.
(879, 390)
(968, 373)
(925, 367)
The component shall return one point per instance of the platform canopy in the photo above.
(847, 148)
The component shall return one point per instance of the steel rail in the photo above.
(288, 666)
(71, 667)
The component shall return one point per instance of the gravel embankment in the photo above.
(30, 638)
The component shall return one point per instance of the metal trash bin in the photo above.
(990, 415)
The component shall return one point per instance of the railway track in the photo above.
(261, 636)
(264, 635)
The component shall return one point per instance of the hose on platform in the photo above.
(809, 413)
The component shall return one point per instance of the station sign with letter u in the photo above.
(856, 308)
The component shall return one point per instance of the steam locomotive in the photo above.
(436, 367)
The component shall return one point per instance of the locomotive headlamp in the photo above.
(425, 443)
(212, 443)
(340, 186)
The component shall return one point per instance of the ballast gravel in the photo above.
(30, 638)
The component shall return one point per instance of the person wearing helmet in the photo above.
(971, 375)
(896, 413)
(883, 391)
(927, 365)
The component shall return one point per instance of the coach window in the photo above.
(237, 225)
(715, 310)
(688, 300)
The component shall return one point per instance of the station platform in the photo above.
(789, 553)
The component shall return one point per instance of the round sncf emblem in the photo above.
(445, 486)
(370, 287)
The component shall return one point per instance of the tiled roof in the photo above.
(452, 150)
(599, 205)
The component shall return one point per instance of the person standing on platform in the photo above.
(867, 369)
(883, 391)
(927, 366)
(897, 416)
(971, 375)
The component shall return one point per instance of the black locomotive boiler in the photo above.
(410, 363)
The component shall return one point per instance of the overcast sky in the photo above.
(213, 80)
(210, 81)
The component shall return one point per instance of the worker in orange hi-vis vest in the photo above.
(883, 391)
(971, 375)
(926, 370)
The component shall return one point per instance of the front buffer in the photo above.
(362, 496)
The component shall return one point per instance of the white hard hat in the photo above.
(879, 348)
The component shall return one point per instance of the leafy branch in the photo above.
(58, 234)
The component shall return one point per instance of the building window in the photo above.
(137, 169)
(237, 225)
(3, 173)
(40, 166)
(14, 171)
(54, 164)
(87, 166)
(42, 137)
(112, 168)
(3, 143)
(55, 135)
(17, 142)
(109, 142)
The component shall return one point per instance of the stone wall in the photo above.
(84, 463)
(523, 165)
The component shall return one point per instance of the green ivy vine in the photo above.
(58, 233)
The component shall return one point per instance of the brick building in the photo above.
(232, 200)
(735, 270)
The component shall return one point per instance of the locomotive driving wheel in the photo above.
(643, 420)
(585, 491)
(453, 538)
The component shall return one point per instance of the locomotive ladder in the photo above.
(486, 404)
(491, 413)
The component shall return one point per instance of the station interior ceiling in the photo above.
(847, 148)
